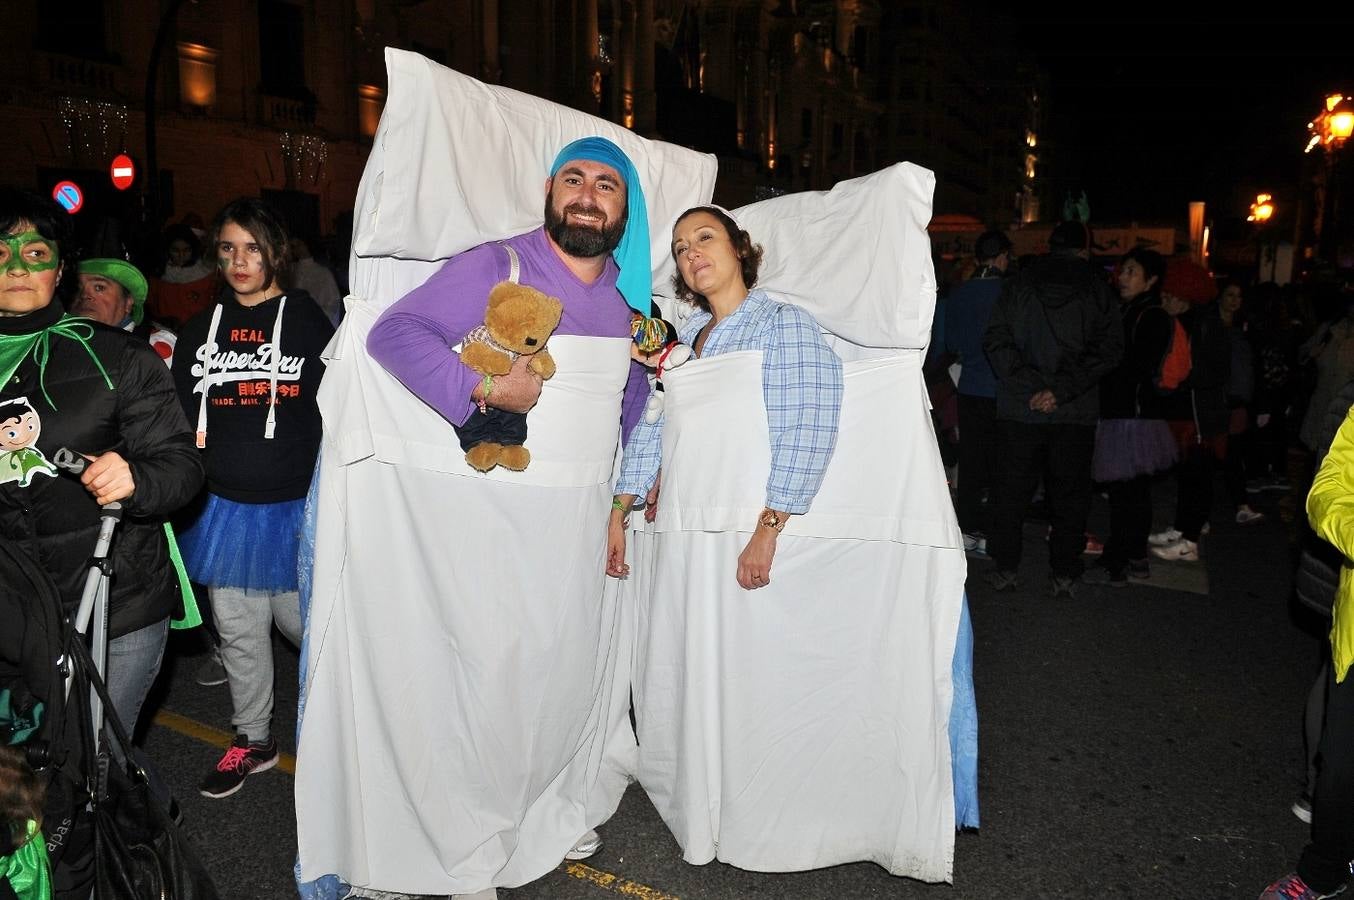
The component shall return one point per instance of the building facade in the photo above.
(281, 98)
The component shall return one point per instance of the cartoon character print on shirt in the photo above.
(20, 458)
(249, 370)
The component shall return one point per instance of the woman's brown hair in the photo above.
(748, 252)
(22, 794)
(263, 224)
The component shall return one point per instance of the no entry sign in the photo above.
(69, 195)
(123, 171)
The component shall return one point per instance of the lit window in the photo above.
(370, 101)
(197, 75)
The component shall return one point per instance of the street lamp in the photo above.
(1329, 131)
(1262, 209)
(1333, 125)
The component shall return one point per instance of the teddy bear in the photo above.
(651, 335)
(517, 322)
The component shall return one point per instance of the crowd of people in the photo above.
(1154, 366)
(1182, 377)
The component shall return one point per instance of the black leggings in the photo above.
(1130, 522)
(1324, 864)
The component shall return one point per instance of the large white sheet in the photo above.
(857, 257)
(804, 724)
(457, 162)
(463, 718)
(453, 737)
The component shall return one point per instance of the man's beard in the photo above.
(582, 240)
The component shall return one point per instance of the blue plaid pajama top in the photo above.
(802, 387)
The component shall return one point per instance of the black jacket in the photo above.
(1129, 391)
(1055, 327)
(1204, 399)
(49, 513)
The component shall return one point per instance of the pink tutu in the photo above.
(1127, 448)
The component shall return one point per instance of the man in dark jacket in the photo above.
(967, 311)
(1054, 333)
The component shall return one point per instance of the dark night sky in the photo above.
(1155, 105)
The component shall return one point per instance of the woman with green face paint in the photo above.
(31, 265)
(68, 382)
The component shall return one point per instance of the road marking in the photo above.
(609, 882)
(214, 736)
(287, 763)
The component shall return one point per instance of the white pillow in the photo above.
(857, 257)
(457, 162)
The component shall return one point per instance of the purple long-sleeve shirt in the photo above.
(413, 338)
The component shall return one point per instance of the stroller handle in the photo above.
(74, 463)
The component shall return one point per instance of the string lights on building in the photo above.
(302, 155)
(94, 128)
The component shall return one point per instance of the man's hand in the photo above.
(1043, 402)
(108, 477)
(517, 391)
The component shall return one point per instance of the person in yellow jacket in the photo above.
(1324, 867)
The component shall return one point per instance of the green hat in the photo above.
(125, 274)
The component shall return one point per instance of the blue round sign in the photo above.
(69, 195)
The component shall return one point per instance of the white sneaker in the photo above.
(1181, 551)
(1162, 538)
(975, 543)
(587, 846)
(1247, 516)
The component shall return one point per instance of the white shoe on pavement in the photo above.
(1163, 538)
(1180, 551)
(587, 846)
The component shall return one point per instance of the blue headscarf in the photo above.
(632, 254)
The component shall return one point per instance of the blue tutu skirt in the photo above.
(244, 545)
(1127, 448)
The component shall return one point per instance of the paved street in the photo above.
(1141, 742)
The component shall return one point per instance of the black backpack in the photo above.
(124, 846)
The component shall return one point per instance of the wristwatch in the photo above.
(773, 520)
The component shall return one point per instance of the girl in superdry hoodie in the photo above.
(246, 371)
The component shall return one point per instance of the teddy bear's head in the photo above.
(521, 318)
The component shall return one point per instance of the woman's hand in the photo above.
(616, 565)
(754, 563)
(108, 477)
(648, 360)
(651, 498)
